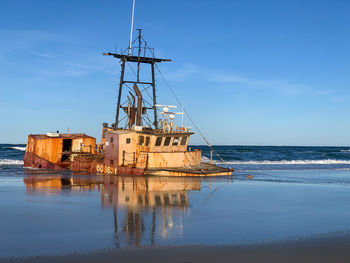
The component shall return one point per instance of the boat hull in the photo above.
(201, 170)
(34, 161)
(184, 173)
(97, 166)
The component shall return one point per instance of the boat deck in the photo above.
(203, 169)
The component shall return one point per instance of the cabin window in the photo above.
(159, 141)
(140, 199)
(166, 199)
(111, 139)
(141, 140)
(174, 199)
(128, 140)
(158, 200)
(167, 141)
(183, 140)
(147, 140)
(65, 181)
(175, 141)
(183, 199)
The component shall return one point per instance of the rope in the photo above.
(188, 116)
(213, 192)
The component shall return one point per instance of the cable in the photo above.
(193, 123)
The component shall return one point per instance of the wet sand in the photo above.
(325, 249)
(152, 219)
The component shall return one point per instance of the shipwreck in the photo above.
(143, 140)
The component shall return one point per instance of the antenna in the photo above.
(182, 116)
(168, 106)
(126, 58)
(67, 124)
(132, 25)
(170, 114)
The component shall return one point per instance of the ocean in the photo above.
(276, 193)
(241, 158)
(281, 157)
(12, 154)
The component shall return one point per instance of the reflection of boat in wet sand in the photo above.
(138, 143)
(146, 204)
(143, 191)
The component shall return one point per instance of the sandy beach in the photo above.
(278, 215)
(325, 249)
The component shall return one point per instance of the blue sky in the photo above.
(248, 72)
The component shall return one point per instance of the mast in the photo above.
(132, 25)
(141, 59)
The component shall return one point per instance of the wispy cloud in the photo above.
(72, 69)
(338, 99)
(49, 54)
(63, 72)
(191, 71)
(324, 92)
(283, 86)
(18, 42)
(41, 54)
(184, 72)
(63, 68)
(29, 36)
(58, 56)
(104, 67)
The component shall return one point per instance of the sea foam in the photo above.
(10, 162)
(290, 162)
(19, 148)
(205, 159)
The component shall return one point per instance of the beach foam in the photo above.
(290, 162)
(19, 148)
(10, 162)
(205, 159)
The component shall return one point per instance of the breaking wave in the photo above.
(290, 162)
(205, 159)
(10, 162)
(19, 148)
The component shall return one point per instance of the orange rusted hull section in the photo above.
(124, 153)
(34, 161)
(53, 149)
(92, 164)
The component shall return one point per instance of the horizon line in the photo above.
(238, 145)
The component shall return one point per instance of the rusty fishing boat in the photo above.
(138, 142)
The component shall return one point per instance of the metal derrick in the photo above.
(126, 57)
